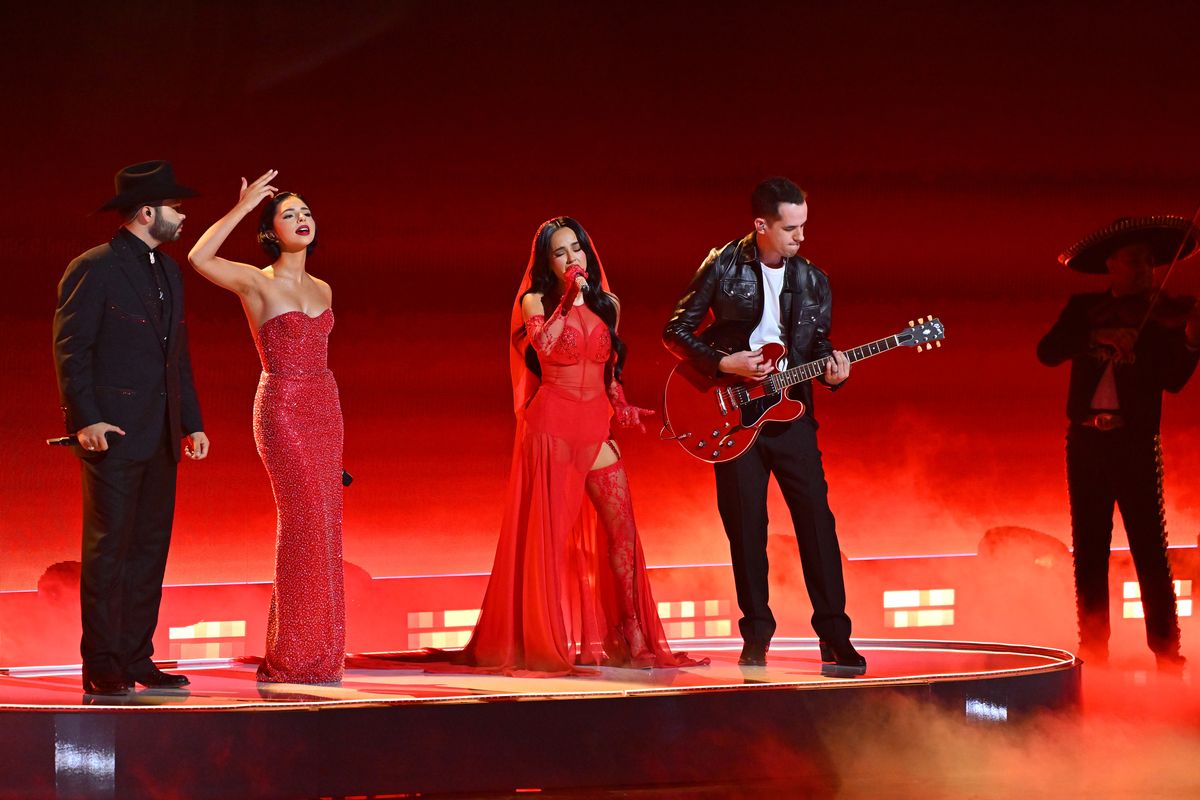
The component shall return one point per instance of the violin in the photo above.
(1131, 311)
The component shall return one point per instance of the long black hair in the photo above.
(545, 282)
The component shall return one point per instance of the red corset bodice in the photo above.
(582, 326)
(576, 363)
(295, 344)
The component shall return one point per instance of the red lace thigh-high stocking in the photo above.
(608, 489)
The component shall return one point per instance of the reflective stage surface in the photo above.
(391, 730)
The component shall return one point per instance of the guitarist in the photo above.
(759, 290)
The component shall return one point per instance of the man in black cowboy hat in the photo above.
(1127, 346)
(125, 384)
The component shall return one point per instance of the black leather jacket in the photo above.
(729, 284)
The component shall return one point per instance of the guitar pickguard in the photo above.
(755, 410)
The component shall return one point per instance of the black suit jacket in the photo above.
(1162, 362)
(728, 288)
(114, 360)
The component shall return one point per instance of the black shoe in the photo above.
(1094, 653)
(840, 658)
(107, 686)
(754, 654)
(1170, 663)
(154, 678)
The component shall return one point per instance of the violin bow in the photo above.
(1159, 289)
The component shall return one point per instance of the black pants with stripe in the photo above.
(1121, 468)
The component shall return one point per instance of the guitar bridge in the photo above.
(721, 402)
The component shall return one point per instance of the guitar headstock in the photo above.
(924, 334)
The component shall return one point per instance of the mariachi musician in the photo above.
(1126, 345)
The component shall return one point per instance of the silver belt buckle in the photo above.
(1104, 422)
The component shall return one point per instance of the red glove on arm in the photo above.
(627, 416)
(543, 332)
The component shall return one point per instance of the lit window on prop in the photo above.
(461, 619)
(689, 619)
(681, 630)
(210, 639)
(1132, 593)
(918, 608)
(441, 629)
(985, 711)
(714, 628)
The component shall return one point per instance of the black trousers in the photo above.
(128, 508)
(789, 452)
(1120, 467)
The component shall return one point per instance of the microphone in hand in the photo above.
(577, 274)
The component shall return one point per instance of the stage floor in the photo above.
(223, 685)
(403, 730)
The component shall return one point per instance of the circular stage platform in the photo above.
(401, 731)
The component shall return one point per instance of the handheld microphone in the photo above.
(73, 439)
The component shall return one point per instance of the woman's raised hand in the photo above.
(231, 275)
(574, 274)
(254, 193)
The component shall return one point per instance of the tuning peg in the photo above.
(930, 317)
(911, 323)
(938, 343)
(919, 348)
(920, 320)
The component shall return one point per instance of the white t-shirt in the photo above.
(769, 327)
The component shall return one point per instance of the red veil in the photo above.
(525, 383)
(559, 595)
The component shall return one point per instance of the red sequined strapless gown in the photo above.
(298, 430)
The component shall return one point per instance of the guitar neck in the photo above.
(813, 369)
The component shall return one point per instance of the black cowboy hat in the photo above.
(145, 184)
(1166, 234)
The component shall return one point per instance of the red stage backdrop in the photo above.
(950, 153)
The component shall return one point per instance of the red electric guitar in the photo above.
(717, 419)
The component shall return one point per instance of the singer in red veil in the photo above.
(569, 584)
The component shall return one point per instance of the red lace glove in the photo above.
(543, 331)
(573, 288)
(627, 416)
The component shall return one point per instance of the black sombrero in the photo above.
(1165, 234)
(144, 184)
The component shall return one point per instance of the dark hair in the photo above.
(766, 197)
(266, 224)
(545, 283)
(128, 215)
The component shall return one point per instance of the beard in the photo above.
(164, 231)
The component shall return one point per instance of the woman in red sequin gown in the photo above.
(568, 586)
(297, 427)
